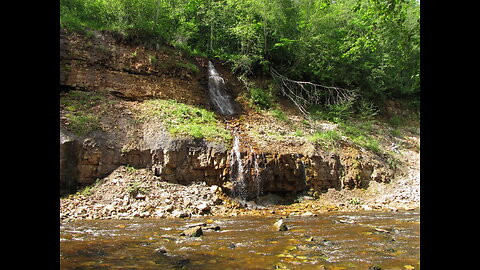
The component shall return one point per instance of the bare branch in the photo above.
(308, 93)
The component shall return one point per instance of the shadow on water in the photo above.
(350, 240)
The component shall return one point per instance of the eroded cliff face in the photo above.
(127, 75)
(187, 161)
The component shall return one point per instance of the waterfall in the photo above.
(216, 87)
(256, 176)
(236, 174)
(244, 175)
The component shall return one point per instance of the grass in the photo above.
(326, 138)
(360, 133)
(186, 120)
(280, 115)
(189, 67)
(81, 110)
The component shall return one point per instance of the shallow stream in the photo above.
(390, 240)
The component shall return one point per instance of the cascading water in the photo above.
(240, 172)
(257, 181)
(216, 87)
(236, 174)
(245, 176)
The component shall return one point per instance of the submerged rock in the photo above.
(193, 232)
(280, 225)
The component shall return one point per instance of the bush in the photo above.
(280, 115)
(135, 188)
(335, 112)
(260, 99)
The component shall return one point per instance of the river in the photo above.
(360, 240)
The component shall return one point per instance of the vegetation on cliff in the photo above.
(369, 45)
(186, 120)
(125, 89)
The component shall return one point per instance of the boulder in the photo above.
(280, 225)
(193, 232)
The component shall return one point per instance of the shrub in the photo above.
(135, 188)
(260, 99)
(280, 115)
(189, 67)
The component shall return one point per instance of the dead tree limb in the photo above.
(307, 93)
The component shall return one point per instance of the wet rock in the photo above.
(308, 214)
(193, 232)
(200, 224)
(140, 196)
(213, 228)
(203, 208)
(280, 225)
(310, 239)
(161, 250)
(180, 214)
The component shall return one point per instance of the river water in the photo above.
(390, 240)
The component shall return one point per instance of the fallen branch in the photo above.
(306, 93)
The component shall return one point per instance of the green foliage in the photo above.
(88, 190)
(335, 112)
(326, 138)
(189, 67)
(372, 45)
(354, 201)
(280, 115)
(366, 110)
(79, 108)
(360, 133)
(185, 120)
(260, 98)
(130, 169)
(136, 188)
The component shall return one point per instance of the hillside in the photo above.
(132, 109)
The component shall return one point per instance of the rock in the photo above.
(280, 225)
(179, 214)
(140, 196)
(193, 232)
(214, 188)
(200, 224)
(308, 214)
(203, 207)
(213, 228)
(161, 250)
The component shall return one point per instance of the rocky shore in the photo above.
(129, 193)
